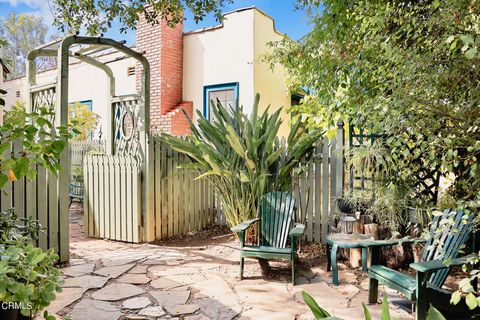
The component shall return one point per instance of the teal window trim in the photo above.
(87, 103)
(218, 87)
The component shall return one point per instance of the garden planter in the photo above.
(418, 216)
(344, 206)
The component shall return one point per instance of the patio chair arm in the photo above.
(386, 243)
(298, 230)
(241, 227)
(435, 265)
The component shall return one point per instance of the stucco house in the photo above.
(187, 70)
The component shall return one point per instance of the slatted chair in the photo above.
(276, 224)
(76, 191)
(431, 272)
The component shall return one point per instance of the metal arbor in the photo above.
(46, 198)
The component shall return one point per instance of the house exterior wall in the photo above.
(222, 54)
(182, 64)
(86, 83)
(271, 84)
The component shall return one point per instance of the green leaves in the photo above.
(32, 145)
(27, 274)
(366, 313)
(97, 17)
(471, 301)
(385, 309)
(408, 70)
(434, 314)
(317, 311)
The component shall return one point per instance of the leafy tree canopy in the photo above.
(97, 16)
(407, 69)
(21, 34)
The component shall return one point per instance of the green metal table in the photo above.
(346, 241)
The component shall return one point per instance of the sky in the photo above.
(287, 19)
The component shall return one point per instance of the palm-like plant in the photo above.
(243, 157)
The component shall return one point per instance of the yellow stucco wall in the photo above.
(271, 84)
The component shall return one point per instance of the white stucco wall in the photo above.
(220, 55)
(85, 83)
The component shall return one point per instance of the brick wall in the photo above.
(163, 47)
(180, 125)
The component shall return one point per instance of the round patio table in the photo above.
(346, 241)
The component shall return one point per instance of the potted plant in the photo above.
(356, 200)
(29, 278)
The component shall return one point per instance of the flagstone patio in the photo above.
(113, 280)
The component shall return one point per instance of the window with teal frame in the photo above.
(226, 93)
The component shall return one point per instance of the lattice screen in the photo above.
(45, 98)
(126, 132)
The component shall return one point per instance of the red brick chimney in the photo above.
(163, 47)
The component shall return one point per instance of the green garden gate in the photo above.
(46, 197)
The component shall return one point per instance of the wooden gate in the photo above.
(113, 195)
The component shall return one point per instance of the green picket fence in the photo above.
(40, 199)
(174, 203)
(113, 193)
(319, 186)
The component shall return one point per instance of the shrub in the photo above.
(242, 156)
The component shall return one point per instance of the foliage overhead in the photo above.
(409, 70)
(22, 33)
(97, 16)
(242, 156)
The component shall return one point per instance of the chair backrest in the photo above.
(446, 239)
(277, 211)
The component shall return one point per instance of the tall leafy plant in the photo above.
(243, 157)
(320, 313)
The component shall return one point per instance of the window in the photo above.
(17, 94)
(226, 93)
(130, 71)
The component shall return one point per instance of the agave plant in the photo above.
(243, 157)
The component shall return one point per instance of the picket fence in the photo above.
(42, 200)
(79, 149)
(112, 203)
(319, 185)
(182, 203)
(176, 202)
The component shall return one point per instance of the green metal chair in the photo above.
(276, 225)
(431, 271)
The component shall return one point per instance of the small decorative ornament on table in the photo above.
(347, 222)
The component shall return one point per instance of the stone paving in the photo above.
(113, 280)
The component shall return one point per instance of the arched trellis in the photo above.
(46, 198)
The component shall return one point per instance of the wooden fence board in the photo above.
(325, 188)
